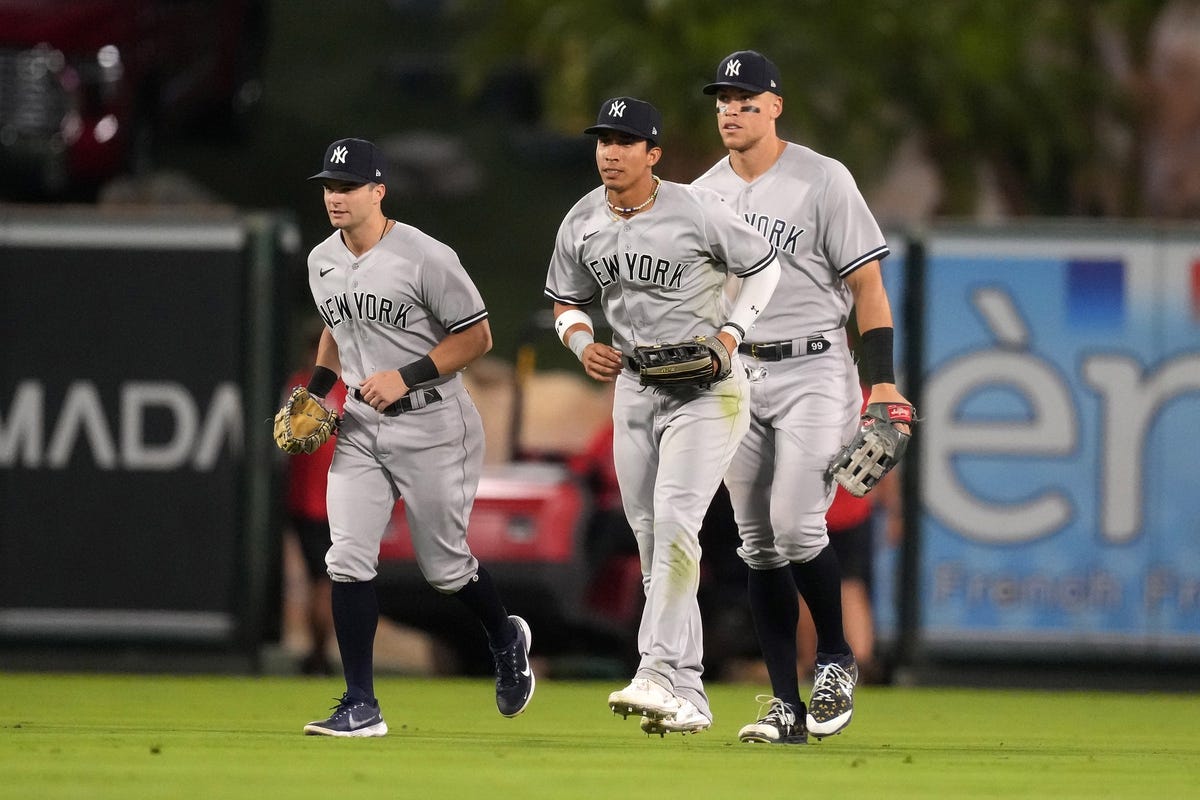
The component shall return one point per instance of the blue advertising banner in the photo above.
(1060, 464)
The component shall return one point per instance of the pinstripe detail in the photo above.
(569, 301)
(760, 266)
(463, 324)
(877, 253)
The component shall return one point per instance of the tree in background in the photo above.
(1019, 107)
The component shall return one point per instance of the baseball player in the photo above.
(402, 317)
(804, 387)
(657, 254)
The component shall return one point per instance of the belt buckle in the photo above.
(767, 352)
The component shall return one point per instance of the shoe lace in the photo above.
(777, 711)
(341, 703)
(832, 679)
(508, 664)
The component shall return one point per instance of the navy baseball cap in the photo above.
(629, 115)
(353, 161)
(748, 70)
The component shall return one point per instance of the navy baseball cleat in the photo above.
(350, 718)
(780, 725)
(832, 702)
(514, 676)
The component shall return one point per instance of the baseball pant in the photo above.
(671, 449)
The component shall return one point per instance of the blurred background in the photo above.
(1035, 163)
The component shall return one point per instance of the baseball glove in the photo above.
(875, 449)
(682, 363)
(303, 424)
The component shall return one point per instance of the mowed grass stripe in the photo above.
(101, 736)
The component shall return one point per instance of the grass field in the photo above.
(97, 736)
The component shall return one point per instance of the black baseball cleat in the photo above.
(832, 702)
(780, 725)
(350, 718)
(514, 676)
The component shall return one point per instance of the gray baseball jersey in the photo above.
(809, 207)
(391, 305)
(805, 406)
(386, 308)
(660, 276)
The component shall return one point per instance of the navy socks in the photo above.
(355, 618)
(820, 584)
(776, 613)
(480, 595)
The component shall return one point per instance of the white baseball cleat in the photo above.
(688, 719)
(644, 698)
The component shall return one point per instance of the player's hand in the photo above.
(601, 362)
(382, 389)
(888, 393)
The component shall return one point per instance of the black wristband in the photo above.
(322, 380)
(419, 371)
(876, 356)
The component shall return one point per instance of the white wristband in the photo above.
(734, 330)
(579, 342)
(569, 318)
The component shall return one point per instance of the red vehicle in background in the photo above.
(86, 86)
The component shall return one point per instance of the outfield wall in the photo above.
(138, 352)
(1056, 370)
(1059, 479)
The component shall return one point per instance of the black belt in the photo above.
(778, 351)
(417, 398)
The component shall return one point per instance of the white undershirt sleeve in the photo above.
(753, 296)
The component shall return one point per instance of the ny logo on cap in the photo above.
(617, 109)
(339, 155)
(733, 68)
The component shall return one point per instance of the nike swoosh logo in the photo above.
(327, 270)
(355, 724)
(587, 236)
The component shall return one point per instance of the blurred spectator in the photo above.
(308, 522)
(1171, 153)
(610, 549)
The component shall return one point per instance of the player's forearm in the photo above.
(327, 366)
(458, 350)
(327, 352)
(569, 320)
(871, 307)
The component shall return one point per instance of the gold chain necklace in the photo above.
(635, 209)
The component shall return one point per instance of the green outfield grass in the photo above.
(91, 736)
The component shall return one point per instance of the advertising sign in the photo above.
(1060, 478)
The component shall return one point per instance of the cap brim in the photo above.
(713, 88)
(334, 175)
(595, 129)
